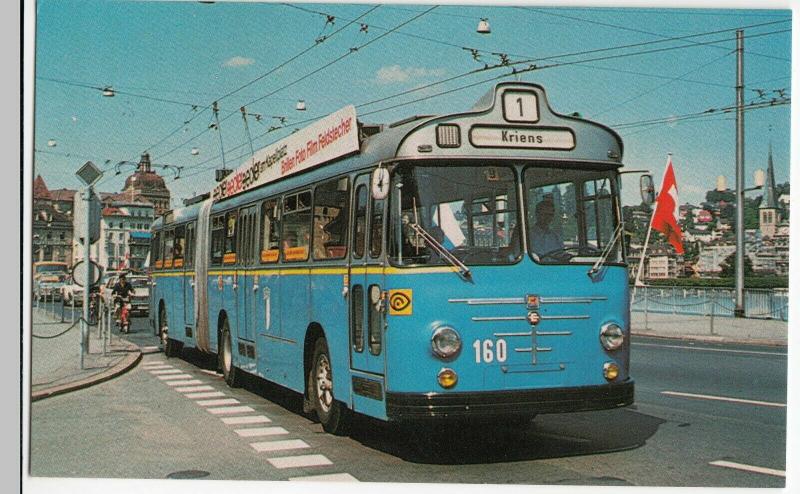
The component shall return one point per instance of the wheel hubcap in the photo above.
(324, 384)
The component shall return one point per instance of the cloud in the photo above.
(393, 74)
(238, 62)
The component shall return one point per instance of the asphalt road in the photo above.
(705, 415)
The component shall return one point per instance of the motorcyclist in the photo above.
(121, 294)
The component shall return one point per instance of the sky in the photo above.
(168, 61)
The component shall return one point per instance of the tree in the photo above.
(729, 266)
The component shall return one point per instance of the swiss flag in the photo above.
(665, 217)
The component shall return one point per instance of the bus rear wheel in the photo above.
(172, 348)
(229, 371)
(333, 415)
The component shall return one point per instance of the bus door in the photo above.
(367, 352)
(248, 285)
(189, 278)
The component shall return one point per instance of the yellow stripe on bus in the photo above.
(316, 271)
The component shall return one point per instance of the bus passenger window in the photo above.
(178, 247)
(155, 251)
(217, 239)
(376, 229)
(169, 242)
(296, 226)
(361, 222)
(270, 231)
(330, 219)
(189, 251)
(230, 238)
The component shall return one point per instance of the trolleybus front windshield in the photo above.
(571, 215)
(471, 211)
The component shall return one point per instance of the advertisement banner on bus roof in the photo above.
(326, 139)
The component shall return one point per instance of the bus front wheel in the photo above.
(229, 371)
(332, 414)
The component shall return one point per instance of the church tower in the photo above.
(768, 212)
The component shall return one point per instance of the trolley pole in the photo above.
(738, 310)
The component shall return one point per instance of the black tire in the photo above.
(231, 374)
(172, 348)
(333, 415)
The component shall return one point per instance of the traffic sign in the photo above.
(79, 273)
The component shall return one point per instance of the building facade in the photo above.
(52, 224)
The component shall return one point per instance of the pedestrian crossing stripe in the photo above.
(299, 461)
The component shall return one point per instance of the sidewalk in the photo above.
(56, 362)
(703, 328)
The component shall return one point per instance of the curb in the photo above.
(713, 339)
(121, 367)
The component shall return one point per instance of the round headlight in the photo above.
(445, 342)
(611, 336)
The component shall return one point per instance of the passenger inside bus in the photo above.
(543, 239)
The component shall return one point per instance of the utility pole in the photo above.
(738, 311)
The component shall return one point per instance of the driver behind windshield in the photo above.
(543, 239)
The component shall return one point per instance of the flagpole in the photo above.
(638, 281)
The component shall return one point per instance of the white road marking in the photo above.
(334, 477)
(210, 372)
(149, 348)
(229, 410)
(748, 468)
(250, 419)
(299, 461)
(279, 445)
(207, 394)
(210, 403)
(707, 349)
(261, 431)
(724, 398)
(192, 389)
(173, 377)
(191, 382)
(156, 366)
(164, 372)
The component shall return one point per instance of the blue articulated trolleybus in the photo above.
(465, 266)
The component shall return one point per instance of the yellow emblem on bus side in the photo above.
(400, 302)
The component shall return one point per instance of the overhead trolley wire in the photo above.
(279, 66)
(532, 68)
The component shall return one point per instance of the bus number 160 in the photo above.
(487, 351)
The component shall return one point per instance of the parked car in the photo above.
(71, 293)
(48, 277)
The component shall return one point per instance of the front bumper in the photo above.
(414, 406)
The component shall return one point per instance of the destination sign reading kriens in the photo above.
(326, 139)
(521, 137)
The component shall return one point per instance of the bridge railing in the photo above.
(707, 301)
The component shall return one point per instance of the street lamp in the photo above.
(483, 26)
(301, 105)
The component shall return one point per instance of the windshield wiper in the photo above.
(441, 250)
(606, 252)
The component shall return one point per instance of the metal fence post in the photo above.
(646, 301)
(713, 308)
(674, 301)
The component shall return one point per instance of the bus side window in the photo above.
(296, 226)
(189, 252)
(270, 231)
(155, 251)
(230, 238)
(330, 219)
(217, 239)
(361, 222)
(178, 246)
(376, 229)
(169, 241)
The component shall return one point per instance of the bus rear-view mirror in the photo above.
(648, 189)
